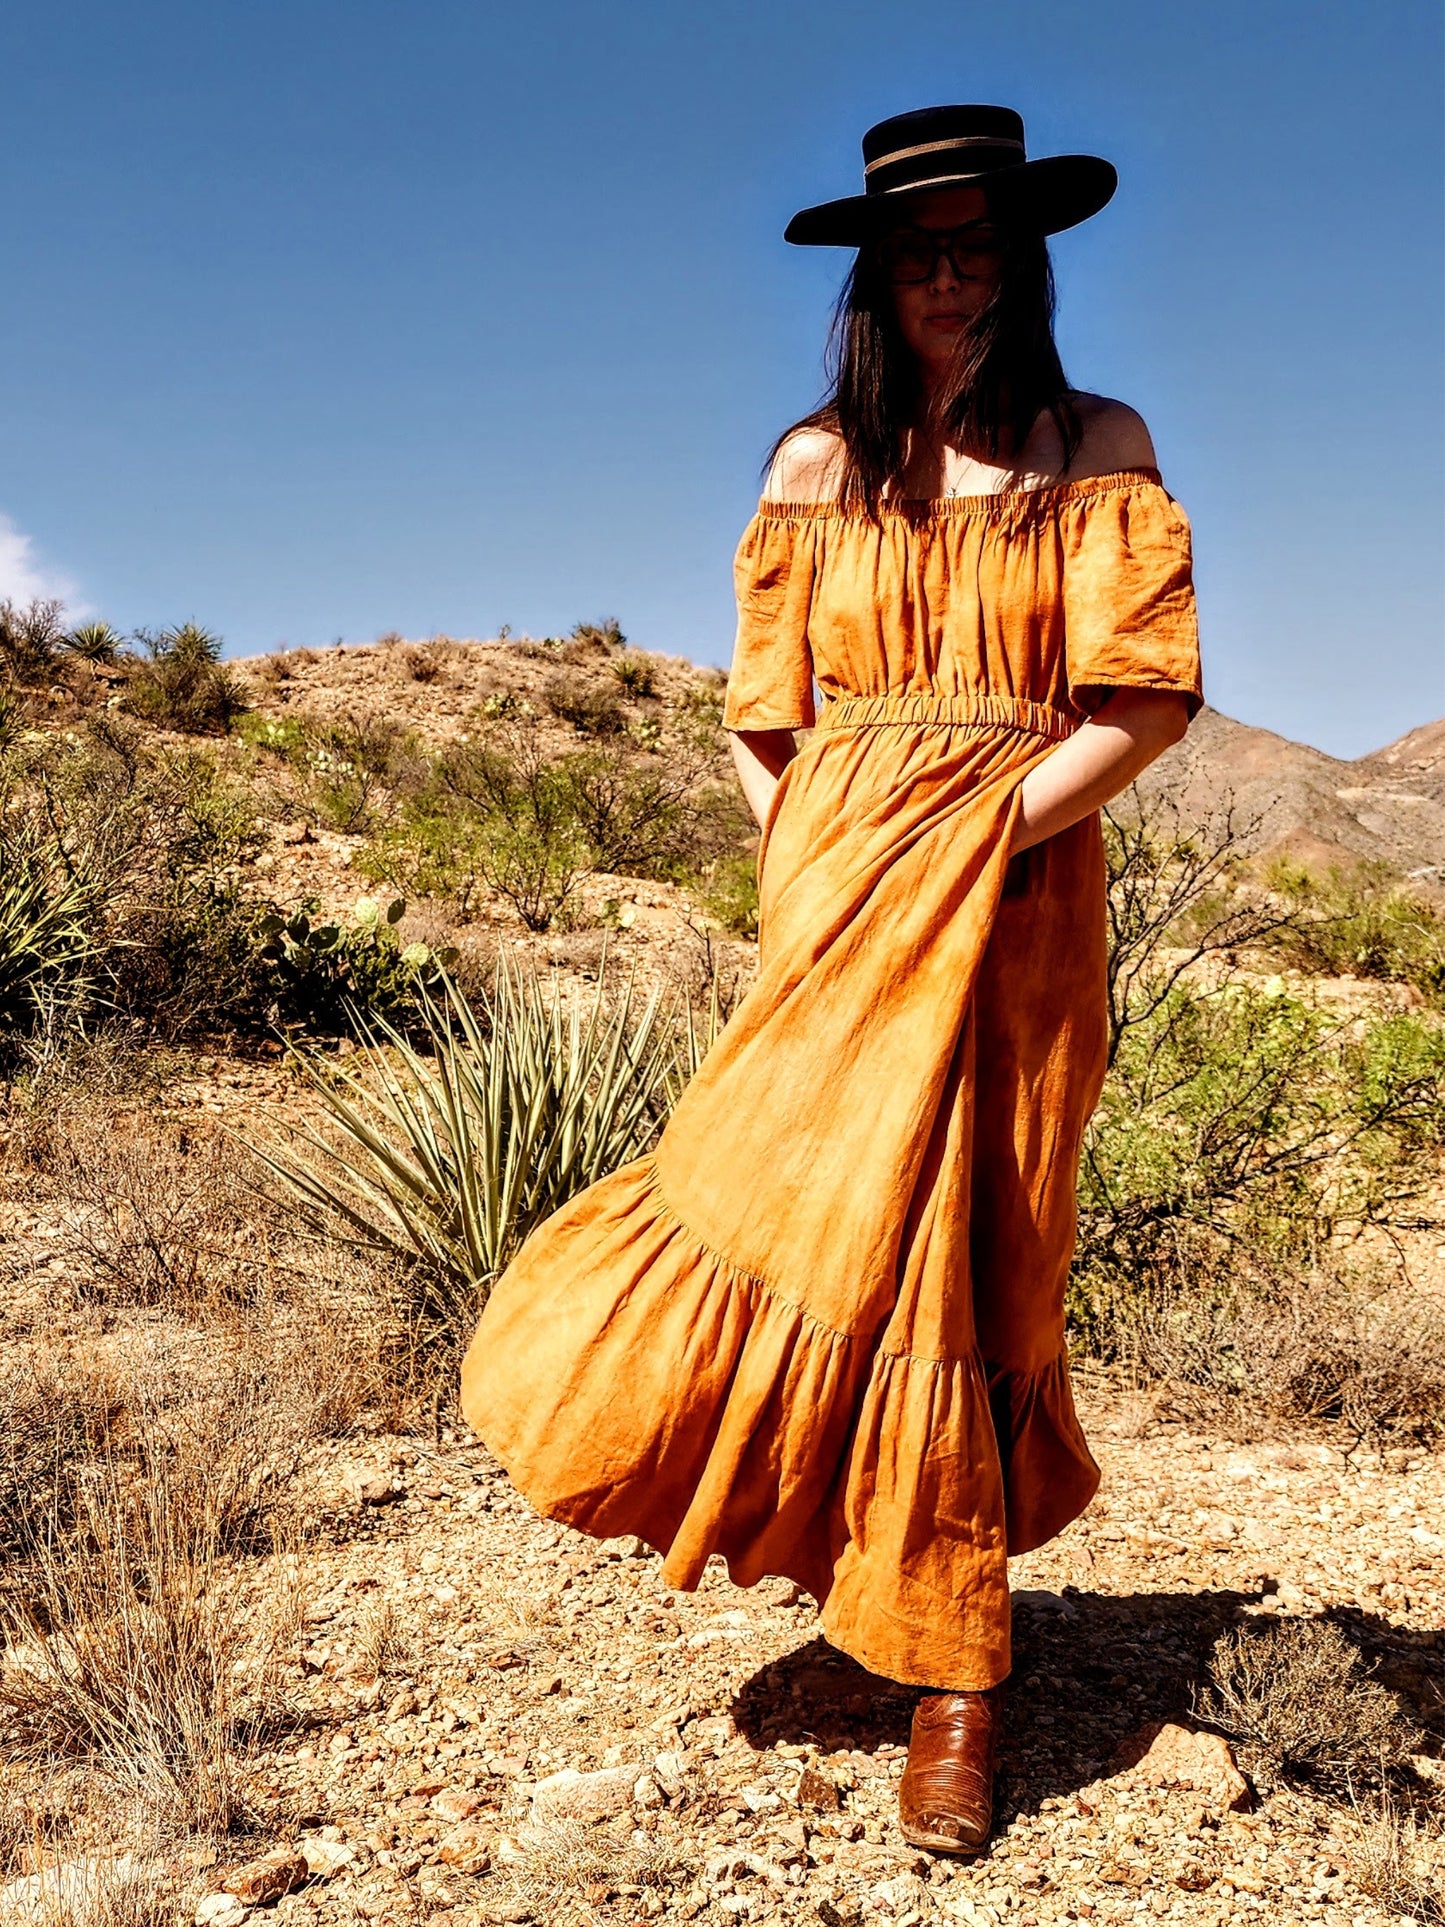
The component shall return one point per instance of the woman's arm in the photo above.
(760, 757)
(1103, 756)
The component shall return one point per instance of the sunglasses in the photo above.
(909, 255)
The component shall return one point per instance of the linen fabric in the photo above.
(819, 1329)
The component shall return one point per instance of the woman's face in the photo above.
(937, 294)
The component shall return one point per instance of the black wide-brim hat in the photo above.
(958, 147)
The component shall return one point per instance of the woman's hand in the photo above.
(1102, 757)
(760, 757)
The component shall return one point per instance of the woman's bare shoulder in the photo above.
(807, 468)
(1114, 436)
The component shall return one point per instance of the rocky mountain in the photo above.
(1387, 807)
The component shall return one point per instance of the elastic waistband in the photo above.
(953, 712)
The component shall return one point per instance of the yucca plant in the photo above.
(445, 1154)
(47, 908)
(93, 642)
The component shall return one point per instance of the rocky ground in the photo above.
(556, 1736)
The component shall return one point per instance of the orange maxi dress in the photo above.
(819, 1329)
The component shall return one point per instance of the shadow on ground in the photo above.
(1089, 1671)
(1087, 1674)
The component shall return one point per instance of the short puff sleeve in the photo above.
(1128, 591)
(770, 683)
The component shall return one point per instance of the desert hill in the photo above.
(1387, 807)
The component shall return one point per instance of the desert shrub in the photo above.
(381, 1645)
(175, 830)
(423, 664)
(350, 764)
(179, 682)
(49, 900)
(441, 1160)
(1243, 1118)
(156, 1217)
(607, 634)
(437, 848)
(1365, 1355)
(530, 849)
(30, 640)
(637, 816)
(1238, 1120)
(92, 1892)
(1296, 1695)
(145, 850)
(562, 1863)
(702, 703)
(729, 889)
(1360, 923)
(497, 813)
(590, 707)
(54, 1414)
(636, 674)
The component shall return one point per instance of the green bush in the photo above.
(1241, 1126)
(436, 848)
(496, 813)
(1360, 923)
(179, 682)
(636, 674)
(607, 634)
(324, 975)
(350, 765)
(592, 709)
(1246, 1117)
(730, 892)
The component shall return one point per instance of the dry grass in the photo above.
(1297, 1697)
(380, 1646)
(565, 1871)
(1401, 1863)
(127, 1651)
(54, 1411)
(97, 1893)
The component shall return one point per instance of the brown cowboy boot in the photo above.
(945, 1798)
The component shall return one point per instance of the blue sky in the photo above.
(323, 319)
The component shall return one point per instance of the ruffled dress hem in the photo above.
(723, 1419)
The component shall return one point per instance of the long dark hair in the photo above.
(1006, 370)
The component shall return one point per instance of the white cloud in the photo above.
(25, 578)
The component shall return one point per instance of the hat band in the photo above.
(942, 147)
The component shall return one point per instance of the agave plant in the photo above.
(444, 1156)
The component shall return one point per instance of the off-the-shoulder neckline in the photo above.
(920, 507)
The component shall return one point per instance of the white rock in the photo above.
(646, 1792)
(571, 1795)
(221, 1910)
(325, 1857)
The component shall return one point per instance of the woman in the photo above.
(820, 1329)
